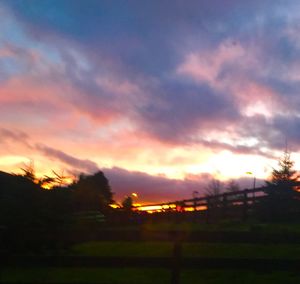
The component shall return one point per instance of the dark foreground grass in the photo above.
(237, 277)
(164, 249)
(144, 276)
(224, 226)
(156, 275)
(85, 275)
(220, 250)
(134, 249)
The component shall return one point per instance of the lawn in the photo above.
(273, 251)
(134, 249)
(164, 249)
(85, 275)
(224, 226)
(157, 275)
(237, 277)
(143, 276)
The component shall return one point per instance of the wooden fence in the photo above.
(232, 205)
(240, 203)
(176, 262)
(246, 196)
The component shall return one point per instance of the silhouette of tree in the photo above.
(214, 187)
(213, 190)
(26, 209)
(282, 202)
(47, 182)
(232, 186)
(285, 177)
(19, 201)
(61, 179)
(127, 203)
(29, 171)
(92, 192)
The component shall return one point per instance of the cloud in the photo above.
(13, 135)
(238, 148)
(75, 163)
(180, 112)
(153, 188)
(132, 84)
(208, 65)
(156, 189)
(289, 128)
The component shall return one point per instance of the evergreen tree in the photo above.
(92, 192)
(285, 177)
(127, 203)
(282, 202)
(29, 172)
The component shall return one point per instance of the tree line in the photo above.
(24, 202)
(283, 179)
(281, 201)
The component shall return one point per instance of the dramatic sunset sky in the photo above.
(160, 95)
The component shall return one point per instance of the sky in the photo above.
(162, 96)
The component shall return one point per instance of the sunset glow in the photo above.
(160, 97)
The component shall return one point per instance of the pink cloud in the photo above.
(206, 65)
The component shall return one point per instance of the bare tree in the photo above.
(232, 186)
(214, 188)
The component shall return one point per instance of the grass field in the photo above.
(143, 276)
(225, 226)
(157, 249)
(164, 249)
(237, 277)
(137, 249)
(85, 275)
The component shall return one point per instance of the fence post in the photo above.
(245, 206)
(176, 261)
(224, 207)
(208, 208)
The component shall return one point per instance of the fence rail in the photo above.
(230, 196)
(263, 202)
(177, 261)
(242, 201)
(249, 195)
(174, 263)
(250, 237)
(202, 263)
